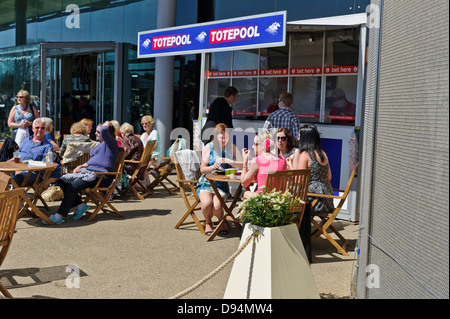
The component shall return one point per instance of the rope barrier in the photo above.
(217, 270)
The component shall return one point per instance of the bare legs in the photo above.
(210, 207)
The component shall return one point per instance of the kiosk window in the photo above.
(245, 105)
(306, 93)
(270, 89)
(307, 50)
(340, 98)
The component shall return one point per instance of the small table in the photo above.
(228, 209)
(43, 171)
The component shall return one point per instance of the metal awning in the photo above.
(348, 20)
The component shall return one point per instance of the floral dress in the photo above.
(320, 184)
(203, 183)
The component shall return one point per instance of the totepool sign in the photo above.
(259, 31)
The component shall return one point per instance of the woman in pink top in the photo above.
(264, 162)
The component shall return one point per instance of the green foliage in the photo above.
(269, 209)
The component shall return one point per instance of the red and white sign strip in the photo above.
(340, 69)
(303, 71)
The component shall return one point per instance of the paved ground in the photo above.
(142, 256)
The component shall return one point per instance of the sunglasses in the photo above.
(282, 138)
(19, 97)
(39, 127)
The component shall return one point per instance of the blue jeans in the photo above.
(71, 192)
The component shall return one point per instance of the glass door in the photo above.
(104, 100)
(53, 91)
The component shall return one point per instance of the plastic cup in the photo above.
(16, 156)
(230, 172)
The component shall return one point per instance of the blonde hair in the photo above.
(127, 129)
(149, 119)
(78, 128)
(265, 138)
(116, 124)
(25, 95)
(86, 121)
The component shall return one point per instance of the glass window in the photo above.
(274, 58)
(246, 60)
(216, 88)
(270, 89)
(138, 83)
(306, 93)
(342, 48)
(49, 21)
(307, 51)
(340, 98)
(246, 102)
(221, 61)
(19, 68)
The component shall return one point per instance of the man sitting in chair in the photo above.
(103, 159)
(35, 148)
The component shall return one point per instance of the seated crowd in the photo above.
(220, 152)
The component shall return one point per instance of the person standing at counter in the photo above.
(342, 107)
(220, 111)
(283, 117)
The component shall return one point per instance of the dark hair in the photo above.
(310, 140)
(229, 91)
(290, 139)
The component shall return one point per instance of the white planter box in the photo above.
(273, 266)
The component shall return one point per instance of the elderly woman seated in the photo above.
(77, 134)
(103, 159)
(134, 149)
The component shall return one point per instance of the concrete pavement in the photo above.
(142, 256)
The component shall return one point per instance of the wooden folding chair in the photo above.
(187, 188)
(162, 172)
(294, 181)
(83, 158)
(4, 181)
(328, 218)
(141, 165)
(9, 210)
(100, 195)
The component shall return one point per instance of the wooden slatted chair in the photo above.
(328, 218)
(162, 172)
(9, 209)
(142, 164)
(83, 155)
(187, 188)
(100, 195)
(294, 181)
(4, 181)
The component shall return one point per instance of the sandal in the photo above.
(209, 232)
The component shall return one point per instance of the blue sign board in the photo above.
(259, 31)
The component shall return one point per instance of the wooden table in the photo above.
(43, 171)
(228, 209)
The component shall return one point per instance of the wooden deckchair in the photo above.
(328, 218)
(187, 189)
(142, 164)
(9, 209)
(162, 172)
(294, 181)
(100, 195)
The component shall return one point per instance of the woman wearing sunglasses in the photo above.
(286, 147)
(23, 114)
